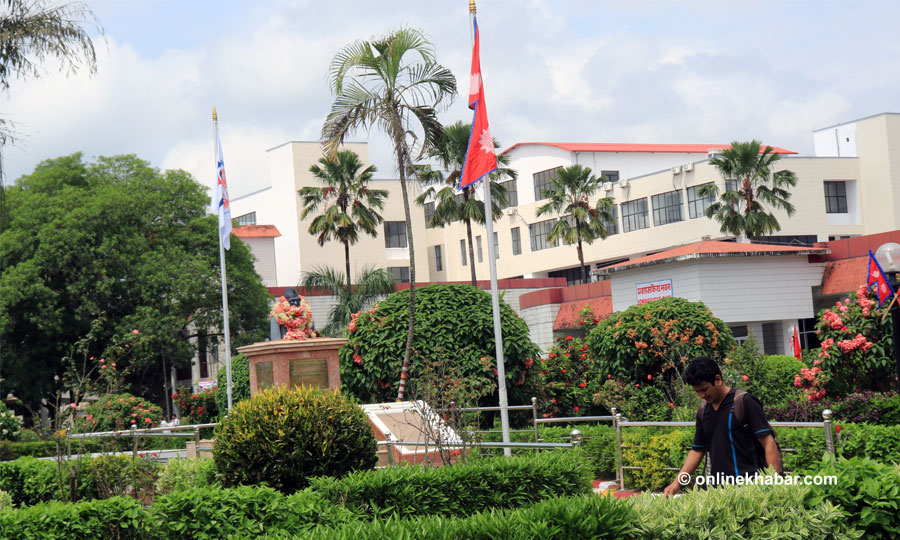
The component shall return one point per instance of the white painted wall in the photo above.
(263, 250)
(836, 141)
(540, 320)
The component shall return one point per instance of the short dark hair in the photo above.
(701, 369)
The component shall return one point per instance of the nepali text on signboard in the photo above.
(653, 290)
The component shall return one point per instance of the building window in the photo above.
(496, 247)
(697, 205)
(516, 241)
(610, 176)
(512, 193)
(740, 333)
(612, 227)
(835, 197)
(438, 259)
(667, 208)
(538, 232)
(462, 252)
(395, 234)
(574, 276)
(400, 273)
(731, 185)
(634, 215)
(808, 337)
(429, 211)
(802, 240)
(247, 219)
(542, 182)
(478, 248)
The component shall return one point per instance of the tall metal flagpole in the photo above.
(495, 295)
(222, 268)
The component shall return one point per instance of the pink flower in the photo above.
(102, 367)
(649, 377)
(357, 359)
(746, 378)
(672, 405)
(135, 331)
(529, 362)
(147, 420)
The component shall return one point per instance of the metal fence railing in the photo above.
(190, 431)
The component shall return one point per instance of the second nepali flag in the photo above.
(481, 157)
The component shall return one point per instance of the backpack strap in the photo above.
(739, 396)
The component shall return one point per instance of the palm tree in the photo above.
(371, 284)
(31, 32)
(742, 211)
(451, 155)
(354, 207)
(570, 192)
(395, 84)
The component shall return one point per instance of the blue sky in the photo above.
(580, 71)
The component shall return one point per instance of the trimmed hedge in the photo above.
(31, 481)
(122, 518)
(14, 450)
(460, 490)
(728, 512)
(556, 519)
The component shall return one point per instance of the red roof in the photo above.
(569, 315)
(710, 249)
(256, 231)
(629, 147)
(844, 276)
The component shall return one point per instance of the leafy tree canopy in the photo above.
(120, 245)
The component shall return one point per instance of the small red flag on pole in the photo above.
(795, 344)
(481, 157)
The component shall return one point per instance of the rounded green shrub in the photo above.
(283, 436)
(240, 383)
(657, 338)
(453, 318)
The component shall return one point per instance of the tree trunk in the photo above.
(471, 252)
(584, 271)
(403, 158)
(347, 263)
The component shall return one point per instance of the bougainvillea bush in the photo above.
(856, 350)
(196, 407)
(448, 318)
(564, 376)
(657, 339)
(120, 411)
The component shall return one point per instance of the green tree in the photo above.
(451, 155)
(371, 284)
(569, 193)
(393, 83)
(350, 206)
(742, 210)
(121, 246)
(31, 31)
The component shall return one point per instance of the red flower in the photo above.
(637, 386)
(746, 378)
(671, 405)
(568, 338)
(837, 428)
(576, 409)
(649, 377)
(582, 385)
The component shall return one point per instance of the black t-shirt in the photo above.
(730, 447)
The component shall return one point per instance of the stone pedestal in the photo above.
(312, 362)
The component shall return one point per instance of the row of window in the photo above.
(543, 181)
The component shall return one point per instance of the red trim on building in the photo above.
(256, 231)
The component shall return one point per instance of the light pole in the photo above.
(888, 256)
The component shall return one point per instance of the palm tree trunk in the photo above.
(347, 263)
(584, 272)
(403, 158)
(471, 252)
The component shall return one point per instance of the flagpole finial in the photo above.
(472, 6)
(215, 116)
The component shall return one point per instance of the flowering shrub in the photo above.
(199, 408)
(564, 376)
(10, 428)
(856, 349)
(657, 339)
(297, 320)
(447, 318)
(119, 411)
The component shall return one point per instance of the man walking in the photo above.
(731, 429)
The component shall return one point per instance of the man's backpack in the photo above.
(739, 416)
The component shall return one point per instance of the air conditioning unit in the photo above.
(687, 167)
(511, 211)
(607, 186)
(676, 169)
(623, 182)
(714, 153)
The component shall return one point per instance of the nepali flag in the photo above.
(481, 158)
(222, 197)
(795, 345)
(877, 278)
